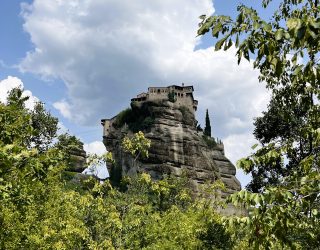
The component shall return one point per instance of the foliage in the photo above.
(68, 143)
(124, 117)
(69, 146)
(136, 118)
(137, 146)
(285, 166)
(207, 128)
(211, 143)
(45, 127)
(39, 210)
(15, 125)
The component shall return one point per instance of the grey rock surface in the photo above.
(77, 160)
(176, 147)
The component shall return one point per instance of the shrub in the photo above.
(211, 143)
(123, 117)
(137, 118)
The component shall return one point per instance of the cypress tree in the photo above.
(207, 128)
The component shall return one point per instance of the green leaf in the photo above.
(220, 43)
(294, 59)
(297, 70)
(274, 62)
(314, 24)
(257, 199)
(202, 17)
(216, 29)
(227, 46)
(293, 23)
(256, 25)
(279, 34)
(250, 46)
(314, 212)
(267, 27)
(237, 40)
(286, 35)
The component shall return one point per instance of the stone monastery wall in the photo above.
(183, 96)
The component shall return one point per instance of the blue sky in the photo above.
(86, 59)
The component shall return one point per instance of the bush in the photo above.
(211, 143)
(137, 118)
(123, 117)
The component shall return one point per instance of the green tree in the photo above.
(207, 128)
(285, 50)
(282, 121)
(45, 127)
(137, 146)
(73, 153)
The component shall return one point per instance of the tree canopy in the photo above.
(285, 165)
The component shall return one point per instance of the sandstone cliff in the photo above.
(176, 146)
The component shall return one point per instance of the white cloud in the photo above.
(96, 147)
(64, 108)
(6, 85)
(108, 51)
(236, 147)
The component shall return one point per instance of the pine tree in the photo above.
(207, 128)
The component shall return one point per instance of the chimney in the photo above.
(182, 84)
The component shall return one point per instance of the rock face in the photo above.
(176, 147)
(77, 160)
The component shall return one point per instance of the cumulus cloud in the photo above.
(95, 147)
(64, 108)
(108, 51)
(11, 82)
(238, 146)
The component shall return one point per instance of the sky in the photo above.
(85, 59)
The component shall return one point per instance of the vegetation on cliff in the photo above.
(136, 118)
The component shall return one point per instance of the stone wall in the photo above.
(183, 96)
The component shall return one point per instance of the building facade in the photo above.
(183, 96)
